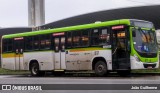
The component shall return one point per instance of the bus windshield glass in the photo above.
(145, 41)
(143, 24)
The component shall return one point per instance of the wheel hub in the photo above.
(100, 68)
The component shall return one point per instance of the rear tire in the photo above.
(100, 68)
(35, 70)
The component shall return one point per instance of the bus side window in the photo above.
(94, 37)
(62, 43)
(104, 36)
(45, 41)
(85, 38)
(28, 43)
(10, 45)
(7, 45)
(69, 39)
(56, 42)
(36, 42)
(48, 42)
(76, 38)
(4, 45)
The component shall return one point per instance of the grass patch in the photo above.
(12, 72)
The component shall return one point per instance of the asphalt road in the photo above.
(25, 79)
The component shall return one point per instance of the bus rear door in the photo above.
(59, 47)
(18, 47)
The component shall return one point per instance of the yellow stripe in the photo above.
(77, 50)
(86, 49)
(11, 55)
(8, 55)
(58, 70)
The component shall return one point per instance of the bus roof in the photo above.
(70, 28)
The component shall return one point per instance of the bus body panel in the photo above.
(106, 54)
(71, 61)
(45, 59)
(140, 65)
(8, 63)
(13, 61)
(78, 60)
(82, 60)
(85, 60)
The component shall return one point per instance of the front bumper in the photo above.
(143, 65)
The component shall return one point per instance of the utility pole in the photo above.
(36, 13)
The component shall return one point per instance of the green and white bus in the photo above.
(118, 45)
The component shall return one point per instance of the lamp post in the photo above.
(36, 13)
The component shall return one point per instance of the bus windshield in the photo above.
(145, 41)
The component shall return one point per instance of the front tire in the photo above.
(35, 70)
(100, 68)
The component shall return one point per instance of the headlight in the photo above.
(136, 57)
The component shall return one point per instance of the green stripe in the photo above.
(71, 28)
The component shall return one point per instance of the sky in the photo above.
(14, 13)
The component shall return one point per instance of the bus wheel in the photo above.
(100, 68)
(35, 70)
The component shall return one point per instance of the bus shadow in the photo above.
(89, 75)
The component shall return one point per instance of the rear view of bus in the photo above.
(141, 44)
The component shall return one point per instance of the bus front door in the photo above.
(120, 52)
(59, 62)
(18, 47)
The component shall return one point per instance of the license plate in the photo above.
(149, 67)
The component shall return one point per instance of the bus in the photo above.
(158, 37)
(118, 45)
